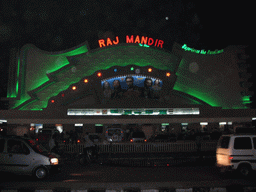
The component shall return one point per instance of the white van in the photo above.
(21, 155)
(237, 152)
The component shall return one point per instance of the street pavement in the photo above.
(194, 176)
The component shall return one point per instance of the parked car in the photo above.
(237, 152)
(20, 155)
(163, 138)
(114, 135)
(137, 137)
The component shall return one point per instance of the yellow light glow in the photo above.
(74, 87)
(54, 161)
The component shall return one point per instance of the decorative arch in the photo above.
(93, 85)
(85, 64)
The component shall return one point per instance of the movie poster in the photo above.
(131, 86)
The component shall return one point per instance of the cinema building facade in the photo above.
(135, 83)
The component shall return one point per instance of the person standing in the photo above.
(52, 144)
(88, 142)
(90, 147)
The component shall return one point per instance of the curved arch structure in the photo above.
(45, 79)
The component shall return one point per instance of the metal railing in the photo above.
(143, 147)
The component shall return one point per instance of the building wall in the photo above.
(210, 78)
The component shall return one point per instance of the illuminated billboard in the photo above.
(134, 111)
(131, 86)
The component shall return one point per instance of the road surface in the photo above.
(75, 176)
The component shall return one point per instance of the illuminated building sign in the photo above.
(142, 41)
(134, 111)
(186, 48)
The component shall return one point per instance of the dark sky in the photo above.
(55, 25)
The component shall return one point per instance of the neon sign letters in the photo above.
(186, 48)
(143, 40)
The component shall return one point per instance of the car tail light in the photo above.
(230, 159)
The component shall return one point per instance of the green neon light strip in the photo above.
(203, 52)
(43, 78)
(15, 94)
(44, 87)
(28, 104)
(199, 95)
(246, 100)
(143, 45)
(22, 100)
(18, 72)
(78, 51)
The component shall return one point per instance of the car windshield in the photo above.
(37, 148)
(112, 132)
(138, 135)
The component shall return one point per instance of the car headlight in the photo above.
(54, 161)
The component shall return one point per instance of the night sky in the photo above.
(54, 25)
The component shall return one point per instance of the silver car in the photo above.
(21, 155)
